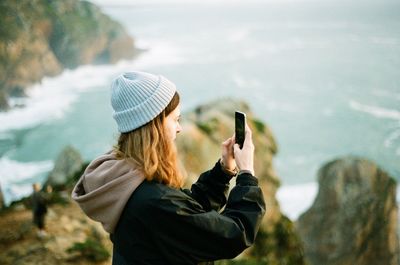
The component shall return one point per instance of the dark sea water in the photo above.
(324, 75)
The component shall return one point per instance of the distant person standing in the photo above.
(39, 209)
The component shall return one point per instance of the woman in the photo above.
(135, 190)
(39, 208)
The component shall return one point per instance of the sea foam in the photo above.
(375, 111)
(296, 199)
(16, 177)
(50, 98)
(382, 113)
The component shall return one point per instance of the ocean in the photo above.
(323, 75)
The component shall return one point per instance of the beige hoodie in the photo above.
(104, 189)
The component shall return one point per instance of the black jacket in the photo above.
(163, 225)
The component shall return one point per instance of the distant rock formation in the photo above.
(353, 219)
(68, 162)
(39, 38)
(199, 144)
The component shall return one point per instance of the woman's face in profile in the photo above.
(172, 123)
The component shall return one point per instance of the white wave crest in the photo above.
(52, 97)
(162, 52)
(375, 111)
(392, 138)
(296, 199)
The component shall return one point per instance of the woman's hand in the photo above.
(228, 161)
(245, 157)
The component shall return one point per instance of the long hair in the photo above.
(150, 149)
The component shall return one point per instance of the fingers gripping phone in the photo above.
(240, 125)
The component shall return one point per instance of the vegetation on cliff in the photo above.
(39, 38)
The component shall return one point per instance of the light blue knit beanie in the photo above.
(138, 97)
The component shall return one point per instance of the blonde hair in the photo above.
(150, 149)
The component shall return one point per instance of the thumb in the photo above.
(236, 148)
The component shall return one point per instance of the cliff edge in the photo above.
(40, 38)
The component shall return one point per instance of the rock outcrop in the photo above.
(199, 144)
(39, 38)
(353, 219)
(67, 164)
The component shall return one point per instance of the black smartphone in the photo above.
(240, 128)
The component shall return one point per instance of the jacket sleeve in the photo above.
(211, 189)
(186, 233)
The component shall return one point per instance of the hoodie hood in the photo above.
(105, 187)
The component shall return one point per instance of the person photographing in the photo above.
(136, 189)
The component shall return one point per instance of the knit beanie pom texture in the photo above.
(139, 97)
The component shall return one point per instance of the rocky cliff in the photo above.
(40, 38)
(353, 219)
(68, 162)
